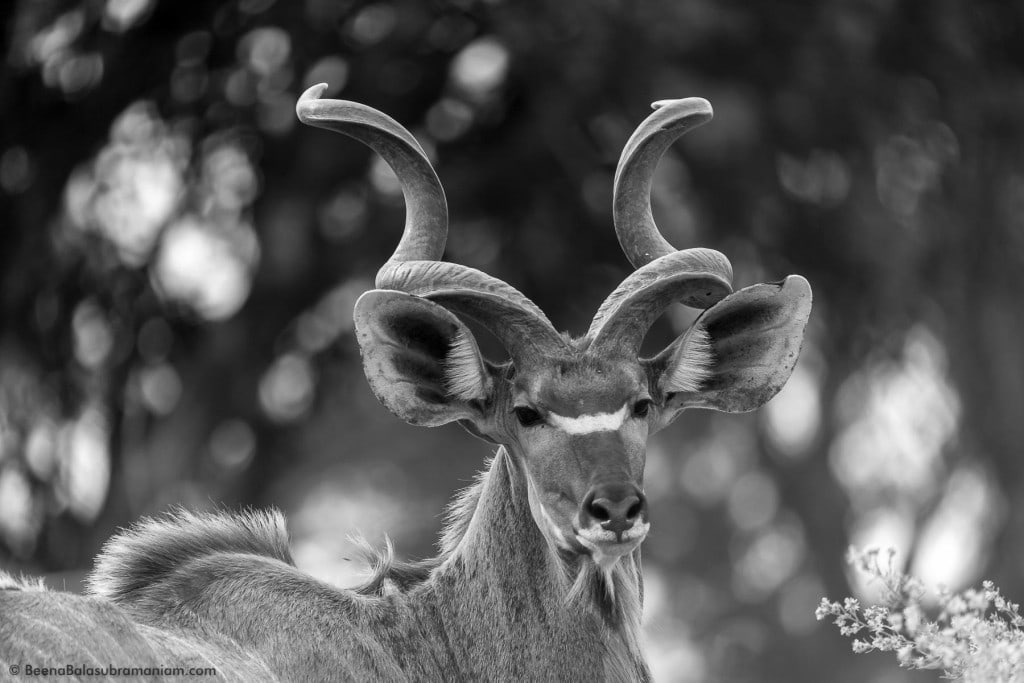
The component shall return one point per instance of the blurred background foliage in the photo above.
(179, 260)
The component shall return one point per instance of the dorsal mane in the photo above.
(9, 582)
(389, 574)
(155, 548)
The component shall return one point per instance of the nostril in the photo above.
(613, 507)
(599, 510)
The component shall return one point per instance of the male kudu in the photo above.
(538, 576)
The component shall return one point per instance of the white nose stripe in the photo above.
(587, 424)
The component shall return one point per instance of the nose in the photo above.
(616, 507)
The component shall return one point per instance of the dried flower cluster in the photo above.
(977, 635)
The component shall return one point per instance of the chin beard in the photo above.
(611, 591)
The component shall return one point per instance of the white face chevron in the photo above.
(587, 424)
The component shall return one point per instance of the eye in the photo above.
(528, 417)
(642, 407)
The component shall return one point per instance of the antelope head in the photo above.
(574, 414)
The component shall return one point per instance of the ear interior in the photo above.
(420, 360)
(465, 377)
(740, 352)
(691, 363)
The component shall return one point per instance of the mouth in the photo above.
(606, 546)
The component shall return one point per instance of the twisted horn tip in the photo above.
(687, 109)
(312, 94)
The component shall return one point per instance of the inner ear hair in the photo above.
(465, 377)
(691, 363)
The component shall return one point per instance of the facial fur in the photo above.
(578, 428)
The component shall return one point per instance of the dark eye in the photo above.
(528, 417)
(642, 407)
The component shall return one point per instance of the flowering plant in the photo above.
(977, 635)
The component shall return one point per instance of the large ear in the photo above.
(739, 353)
(421, 361)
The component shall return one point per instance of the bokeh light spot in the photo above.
(265, 50)
(286, 388)
(121, 15)
(205, 266)
(899, 416)
(49, 43)
(449, 119)
(85, 459)
(481, 66)
(768, 561)
(193, 48)
(952, 545)
(373, 24)
(384, 179)
(823, 178)
(41, 450)
(793, 417)
(19, 518)
(93, 336)
(160, 388)
(232, 445)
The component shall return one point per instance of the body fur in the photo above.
(496, 607)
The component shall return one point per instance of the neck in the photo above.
(522, 609)
(499, 604)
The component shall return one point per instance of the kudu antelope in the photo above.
(538, 575)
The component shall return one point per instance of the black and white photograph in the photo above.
(497, 340)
